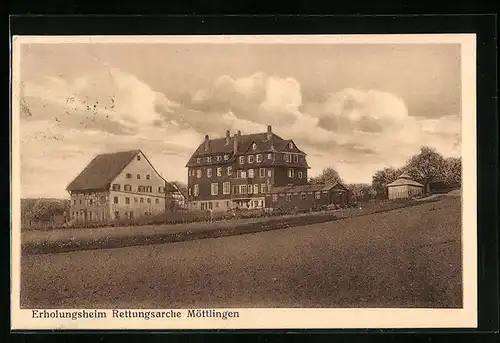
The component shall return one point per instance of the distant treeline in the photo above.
(36, 212)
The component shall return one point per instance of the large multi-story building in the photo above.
(238, 171)
(118, 185)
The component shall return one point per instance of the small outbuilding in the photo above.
(404, 187)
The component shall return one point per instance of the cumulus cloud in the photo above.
(357, 131)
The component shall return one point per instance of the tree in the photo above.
(362, 191)
(328, 176)
(427, 166)
(453, 171)
(382, 178)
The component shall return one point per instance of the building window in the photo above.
(214, 189)
(275, 197)
(269, 173)
(198, 173)
(226, 188)
(249, 189)
(229, 171)
(149, 200)
(250, 173)
(288, 197)
(259, 158)
(288, 158)
(243, 189)
(226, 157)
(296, 158)
(302, 197)
(80, 201)
(161, 189)
(196, 190)
(219, 171)
(243, 174)
(149, 189)
(138, 176)
(116, 187)
(255, 189)
(242, 159)
(209, 172)
(318, 195)
(290, 172)
(262, 172)
(299, 175)
(254, 146)
(117, 214)
(128, 176)
(136, 200)
(140, 188)
(210, 206)
(127, 187)
(198, 160)
(269, 156)
(148, 177)
(263, 188)
(116, 200)
(157, 201)
(189, 191)
(127, 201)
(74, 202)
(90, 202)
(209, 159)
(290, 145)
(138, 157)
(250, 158)
(218, 158)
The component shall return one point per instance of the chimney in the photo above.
(228, 136)
(235, 143)
(269, 132)
(207, 142)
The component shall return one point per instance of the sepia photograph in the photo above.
(243, 181)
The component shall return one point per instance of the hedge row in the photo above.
(216, 230)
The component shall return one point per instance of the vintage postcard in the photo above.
(244, 182)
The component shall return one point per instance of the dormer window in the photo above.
(296, 158)
(254, 146)
(259, 158)
(209, 159)
(250, 158)
(290, 145)
(242, 159)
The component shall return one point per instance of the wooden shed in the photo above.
(304, 197)
(404, 188)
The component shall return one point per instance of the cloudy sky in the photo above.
(355, 107)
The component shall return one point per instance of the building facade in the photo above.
(117, 186)
(404, 188)
(307, 197)
(238, 171)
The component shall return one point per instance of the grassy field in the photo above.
(66, 240)
(408, 257)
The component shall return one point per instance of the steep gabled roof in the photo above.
(226, 145)
(103, 169)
